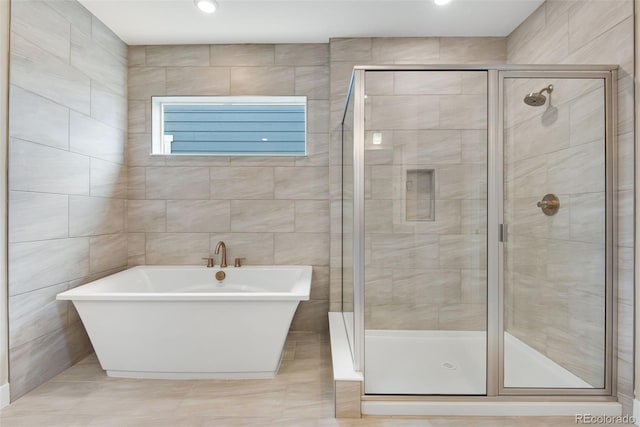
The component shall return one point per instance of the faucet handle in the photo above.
(210, 262)
(238, 262)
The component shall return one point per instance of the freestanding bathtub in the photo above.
(181, 323)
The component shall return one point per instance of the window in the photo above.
(229, 126)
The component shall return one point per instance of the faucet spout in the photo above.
(223, 259)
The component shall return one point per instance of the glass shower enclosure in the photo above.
(477, 240)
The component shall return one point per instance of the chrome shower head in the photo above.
(536, 99)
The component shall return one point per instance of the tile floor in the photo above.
(300, 395)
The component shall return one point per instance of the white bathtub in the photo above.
(180, 322)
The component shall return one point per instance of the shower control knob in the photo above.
(550, 204)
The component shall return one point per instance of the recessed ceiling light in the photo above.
(207, 6)
(264, 139)
(441, 2)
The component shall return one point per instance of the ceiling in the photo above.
(305, 21)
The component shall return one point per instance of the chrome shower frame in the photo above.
(496, 75)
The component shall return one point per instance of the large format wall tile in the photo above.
(198, 80)
(138, 117)
(350, 49)
(145, 82)
(136, 243)
(89, 216)
(463, 112)
(242, 183)
(262, 216)
(312, 82)
(27, 109)
(107, 252)
(176, 248)
(47, 356)
(302, 54)
(146, 215)
(301, 186)
(40, 72)
(310, 316)
(37, 216)
(405, 112)
(139, 151)
(588, 20)
(97, 62)
(67, 175)
(108, 107)
(473, 50)
(422, 272)
(108, 179)
(312, 216)
(31, 269)
(177, 183)
(615, 46)
(37, 313)
(427, 286)
(427, 147)
(104, 37)
(242, 55)
(301, 183)
(198, 215)
(262, 80)
(317, 151)
(183, 56)
(405, 50)
(90, 137)
(463, 317)
(457, 157)
(420, 83)
(42, 26)
(302, 248)
(317, 116)
(556, 158)
(255, 248)
(43, 169)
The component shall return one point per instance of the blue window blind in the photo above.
(236, 129)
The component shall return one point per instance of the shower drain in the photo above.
(449, 365)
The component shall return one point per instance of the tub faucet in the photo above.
(223, 259)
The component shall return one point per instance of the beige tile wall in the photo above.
(448, 142)
(555, 265)
(5, 14)
(554, 34)
(74, 179)
(67, 178)
(596, 32)
(267, 210)
(424, 274)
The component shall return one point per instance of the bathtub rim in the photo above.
(300, 291)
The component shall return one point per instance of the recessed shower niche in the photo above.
(419, 191)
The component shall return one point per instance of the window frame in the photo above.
(158, 146)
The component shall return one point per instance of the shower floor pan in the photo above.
(452, 362)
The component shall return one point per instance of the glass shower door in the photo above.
(425, 223)
(555, 253)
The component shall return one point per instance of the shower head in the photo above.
(536, 99)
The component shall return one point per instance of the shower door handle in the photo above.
(502, 230)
